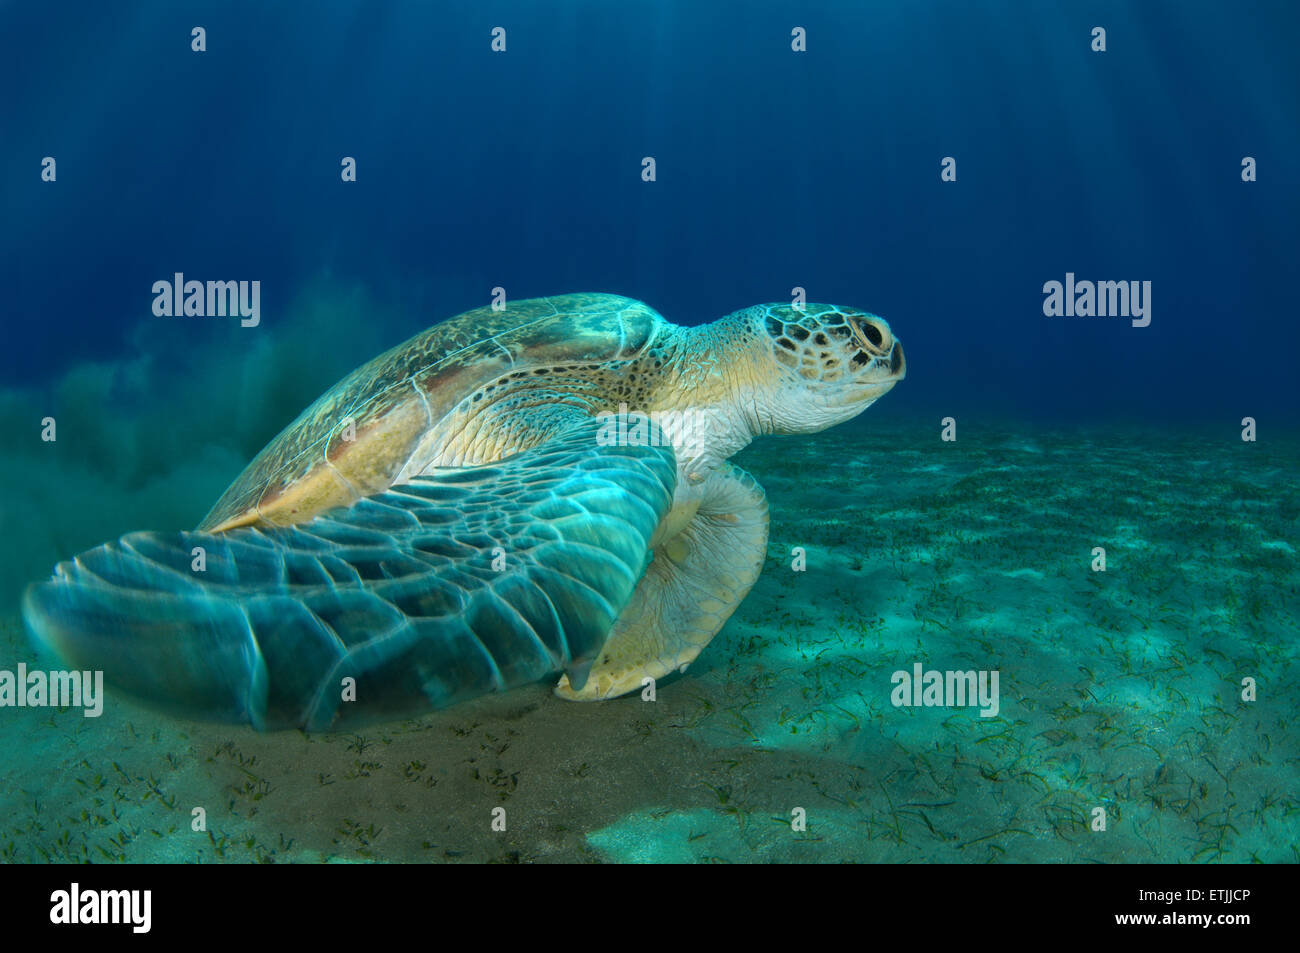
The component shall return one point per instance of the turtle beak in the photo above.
(897, 364)
(878, 349)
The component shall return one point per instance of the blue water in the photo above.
(775, 169)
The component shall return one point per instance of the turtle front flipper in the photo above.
(434, 591)
(708, 553)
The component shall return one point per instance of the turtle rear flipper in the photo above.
(437, 590)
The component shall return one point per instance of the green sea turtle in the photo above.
(509, 496)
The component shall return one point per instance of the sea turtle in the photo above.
(510, 495)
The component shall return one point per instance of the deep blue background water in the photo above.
(775, 169)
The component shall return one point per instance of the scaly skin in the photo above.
(765, 370)
(620, 563)
(769, 369)
(487, 384)
(732, 376)
(375, 426)
(747, 383)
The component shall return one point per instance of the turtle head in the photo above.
(827, 365)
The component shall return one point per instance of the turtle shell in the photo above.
(355, 439)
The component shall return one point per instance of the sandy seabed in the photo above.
(1121, 692)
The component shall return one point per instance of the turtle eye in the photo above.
(868, 333)
(868, 336)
